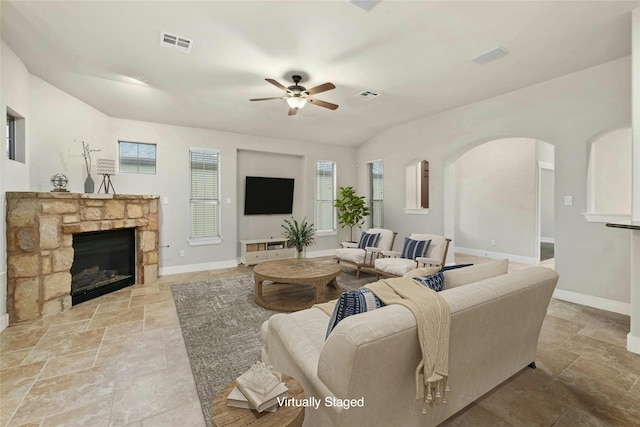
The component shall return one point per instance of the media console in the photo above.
(258, 250)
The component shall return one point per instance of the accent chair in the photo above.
(363, 254)
(418, 250)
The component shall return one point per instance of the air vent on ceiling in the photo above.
(367, 94)
(491, 55)
(171, 40)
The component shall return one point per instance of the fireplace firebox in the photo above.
(103, 262)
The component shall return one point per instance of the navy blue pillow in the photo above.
(413, 249)
(353, 302)
(368, 240)
(453, 267)
(434, 281)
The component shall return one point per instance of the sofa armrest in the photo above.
(364, 344)
(349, 244)
(430, 261)
(391, 254)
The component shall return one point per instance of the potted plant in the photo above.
(300, 234)
(352, 209)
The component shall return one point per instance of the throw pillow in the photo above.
(422, 271)
(413, 249)
(435, 281)
(353, 302)
(368, 240)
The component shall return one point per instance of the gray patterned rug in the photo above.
(221, 328)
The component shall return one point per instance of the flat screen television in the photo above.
(267, 196)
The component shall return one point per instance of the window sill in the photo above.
(326, 233)
(203, 242)
(414, 211)
(605, 217)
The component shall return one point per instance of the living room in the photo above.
(566, 104)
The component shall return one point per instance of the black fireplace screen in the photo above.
(103, 261)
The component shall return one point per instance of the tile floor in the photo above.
(120, 360)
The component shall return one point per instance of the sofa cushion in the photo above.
(368, 240)
(353, 302)
(395, 266)
(434, 281)
(413, 249)
(353, 255)
(475, 273)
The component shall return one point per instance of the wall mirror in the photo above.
(417, 189)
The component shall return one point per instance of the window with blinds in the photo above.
(376, 194)
(137, 157)
(325, 196)
(11, 137)
(204, 201)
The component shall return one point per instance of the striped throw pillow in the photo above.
(413, 249)
(434, 281)
(368, 240)
(353, 302)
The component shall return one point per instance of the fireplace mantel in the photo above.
(40, 229)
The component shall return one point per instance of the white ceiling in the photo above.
(416, 54)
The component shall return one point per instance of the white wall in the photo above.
(14, 176)
(566, 112)
(496, 198)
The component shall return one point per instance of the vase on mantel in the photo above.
(89, 185)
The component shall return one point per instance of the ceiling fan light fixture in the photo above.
(296, 102)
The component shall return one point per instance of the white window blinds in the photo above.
(376, 193)
(204, 204)
(325, 196)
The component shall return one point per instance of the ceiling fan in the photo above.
(298, 96)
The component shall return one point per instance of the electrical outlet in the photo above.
(181, 252)
(493, 242)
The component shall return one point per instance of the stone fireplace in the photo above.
(40, 234)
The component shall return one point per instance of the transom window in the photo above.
(137, 157)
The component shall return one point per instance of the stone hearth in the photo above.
(40, 229)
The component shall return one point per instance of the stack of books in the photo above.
(259, 388)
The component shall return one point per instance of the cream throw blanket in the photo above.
(433, 320)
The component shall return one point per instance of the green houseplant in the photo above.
(300, 234)
(352, 209)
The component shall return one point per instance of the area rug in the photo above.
(221, 328)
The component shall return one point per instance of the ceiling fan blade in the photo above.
(322, 103)
(293, 111)
(267, 99)
(278, 85)
(322, 88)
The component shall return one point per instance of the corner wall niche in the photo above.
(40, 254)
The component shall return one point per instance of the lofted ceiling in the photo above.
(416, 54)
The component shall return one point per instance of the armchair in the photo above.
(396, 264)
(361, 255)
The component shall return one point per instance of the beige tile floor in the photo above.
(120, 360)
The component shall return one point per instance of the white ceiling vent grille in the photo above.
(367, 94)
(491, 55)
(177, 42)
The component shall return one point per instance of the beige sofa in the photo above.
(371, 357)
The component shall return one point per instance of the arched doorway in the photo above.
(499, 199)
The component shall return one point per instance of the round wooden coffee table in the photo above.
(317, 273)
(285, 416)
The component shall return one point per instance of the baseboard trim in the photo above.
(190, 268)
(633, 343)
(497, 255)
(548, 240)
(592, 301)
(4, 322)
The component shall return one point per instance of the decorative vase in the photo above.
(300, 254)
(89, 185)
